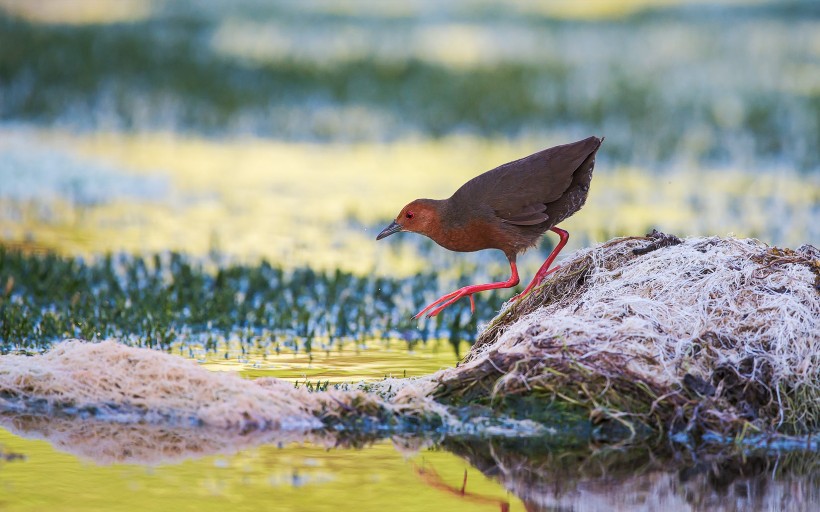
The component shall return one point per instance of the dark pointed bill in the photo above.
(389, 230)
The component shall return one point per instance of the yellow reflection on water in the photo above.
(345, 362)
(295, 477)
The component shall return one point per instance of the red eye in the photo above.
(409, 215)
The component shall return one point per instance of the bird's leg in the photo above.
(468, 291)
(545, 269)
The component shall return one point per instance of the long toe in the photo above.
(436, 303)
(448, 304)
(467, 291)
(429, 307)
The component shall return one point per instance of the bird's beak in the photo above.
(389, 230)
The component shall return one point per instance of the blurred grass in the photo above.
(175, 303)
(733, 82)
(78, 11)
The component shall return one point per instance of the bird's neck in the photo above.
(446, 227)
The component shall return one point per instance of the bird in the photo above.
(507, 208)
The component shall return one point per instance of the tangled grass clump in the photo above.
(701, 335)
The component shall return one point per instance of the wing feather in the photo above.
(529, 215)
(519, 191)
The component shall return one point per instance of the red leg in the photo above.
(544, 271)
(449, 299)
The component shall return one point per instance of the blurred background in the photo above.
(293, 131)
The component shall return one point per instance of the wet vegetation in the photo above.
(171, 300)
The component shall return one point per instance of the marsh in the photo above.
(205, 180)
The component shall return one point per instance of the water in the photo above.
(310, 477)
(65, 463)
(294, 477)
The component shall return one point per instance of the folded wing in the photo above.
(519, 191)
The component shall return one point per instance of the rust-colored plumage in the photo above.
(507, 208)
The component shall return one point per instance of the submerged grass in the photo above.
(171, 300)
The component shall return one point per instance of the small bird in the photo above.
(507, 208)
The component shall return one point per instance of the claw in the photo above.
(434, 304)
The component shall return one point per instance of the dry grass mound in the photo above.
(112, 382)
(127, 385)
(701, 334)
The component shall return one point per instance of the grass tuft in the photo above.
(712, 335)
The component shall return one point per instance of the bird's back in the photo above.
(520, 200)
(540, 178)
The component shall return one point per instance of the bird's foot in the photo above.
(438, 305)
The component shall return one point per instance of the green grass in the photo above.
(170, 301)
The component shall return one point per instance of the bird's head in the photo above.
(419, 216)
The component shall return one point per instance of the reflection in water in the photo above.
(431, 477)
(543, 476)
(643, 478)
(106, 442)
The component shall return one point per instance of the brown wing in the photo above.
(529, 215)
(519, 191)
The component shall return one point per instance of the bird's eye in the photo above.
(409, 215)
